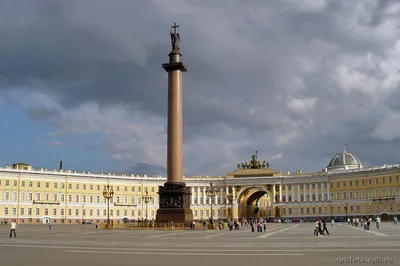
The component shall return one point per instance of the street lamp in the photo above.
(229, 196)
(83, 212)
(211, 192)
(108, 193)
(146, 198)
(345, 208)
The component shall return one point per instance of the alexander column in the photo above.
(174, 195)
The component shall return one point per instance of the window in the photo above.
(69, 212)
(77, 186)
(47, 184)
(46, 211)
(30, 184)
(22, 183)
(301, 197)
(350, 183)
(6, 211)
(37, 211)
(301, 186)
(351, 195)
(338, 196)
(22, 211)
(54, 212)
(37, 196)
(30, 197)
(46, 196)
(91, 187)
(76, 212)
(55, 185)
(84, 186)
(29, 211)
(15, 183)
(38, 184)
(55, 196)
(14, 211)
(76, 198)
(7, 183)
(62, 212)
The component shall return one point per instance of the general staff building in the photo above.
(344, 189)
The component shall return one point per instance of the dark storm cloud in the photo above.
(288, 77)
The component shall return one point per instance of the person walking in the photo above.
(324, 227)
(49, 225)
(13, 227)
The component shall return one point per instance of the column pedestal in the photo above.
(174, 203)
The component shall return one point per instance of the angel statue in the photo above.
(175, 38)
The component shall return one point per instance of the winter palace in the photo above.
(344, 189)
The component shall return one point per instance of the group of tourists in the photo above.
(365, 222)
(320, 227)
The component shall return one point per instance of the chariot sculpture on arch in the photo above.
(254, 163)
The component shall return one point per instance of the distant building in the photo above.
(343, 189)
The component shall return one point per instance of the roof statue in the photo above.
(175, 38)
(254, 163)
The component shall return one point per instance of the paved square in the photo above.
(286, 244)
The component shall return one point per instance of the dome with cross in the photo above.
(344, 161)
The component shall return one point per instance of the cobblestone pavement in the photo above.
(289, 244)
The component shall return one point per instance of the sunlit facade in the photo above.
(343, 189)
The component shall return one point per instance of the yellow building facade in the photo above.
(344, 189)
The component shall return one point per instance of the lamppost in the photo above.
(345, 208)
(229, 196)
(146, 198)
(108, 193)
(83, 212)
(211, 192)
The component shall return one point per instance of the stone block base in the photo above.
(174, 203)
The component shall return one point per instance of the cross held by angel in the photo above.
(175, 38)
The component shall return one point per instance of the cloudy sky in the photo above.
(296, 80)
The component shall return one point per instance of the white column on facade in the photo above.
(280, 193)
(322, 192)
(273, 193)
(310, 191)
(328, 192)
(292, 186)
(204, 196)
(233, 193)
(298, 192)
(286, 193)
(316, 192)
(192, 191)
(198, 195)
(226, 195)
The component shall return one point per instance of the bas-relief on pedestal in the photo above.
(174, 203)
